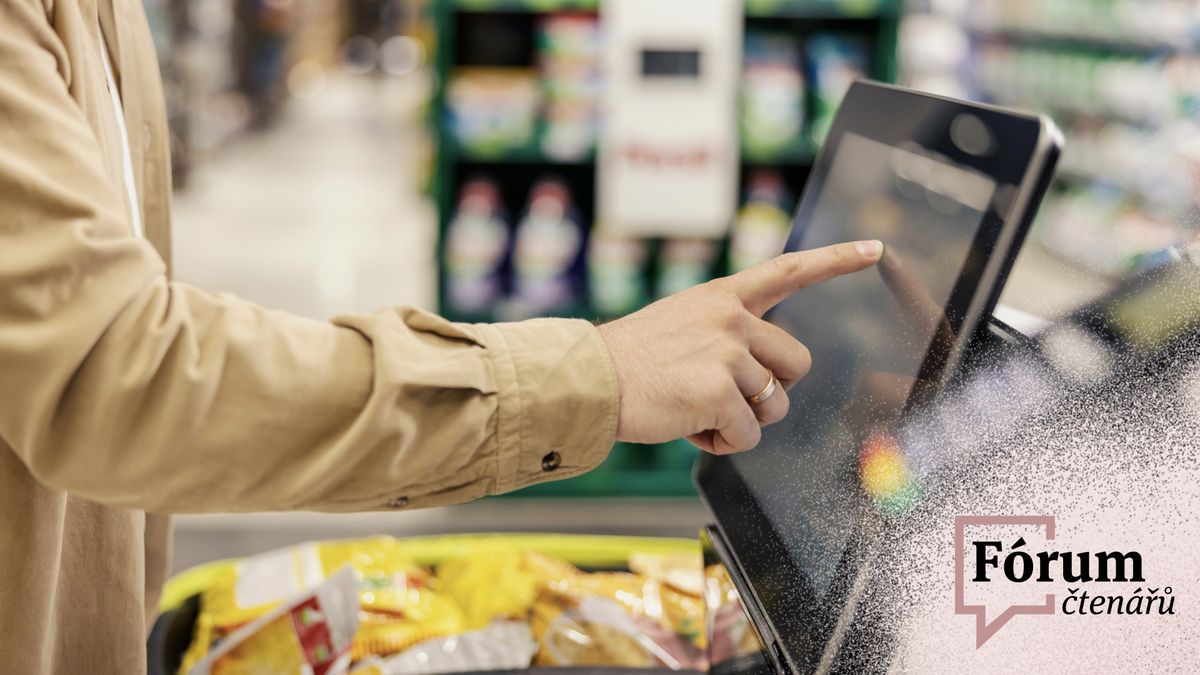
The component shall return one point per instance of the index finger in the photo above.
(767, 284)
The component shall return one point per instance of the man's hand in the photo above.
(687, 364)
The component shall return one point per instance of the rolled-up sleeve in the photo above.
(123, 387)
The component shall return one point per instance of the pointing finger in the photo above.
(767, 284)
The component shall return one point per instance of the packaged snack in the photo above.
(503, 645)
(681, 571)
(549, 570)
(309, 633)
(372, 665)
(490, 582)
(399, 606)
(728, 624)
(618, 619)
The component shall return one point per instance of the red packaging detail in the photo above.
(313, 632)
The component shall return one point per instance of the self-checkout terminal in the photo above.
(916, 378)
(1147, 327)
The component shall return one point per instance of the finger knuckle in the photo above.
(733, 316)
(789, 264)
(718, 396)
(732, 355)
(720, 285)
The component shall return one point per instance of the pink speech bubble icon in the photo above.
(984, 630)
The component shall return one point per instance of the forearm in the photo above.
(194, 402)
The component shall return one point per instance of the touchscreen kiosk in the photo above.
(950, 188)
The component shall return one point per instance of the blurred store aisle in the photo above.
(322, 213)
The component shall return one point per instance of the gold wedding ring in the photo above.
(767, 392)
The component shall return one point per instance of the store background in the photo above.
(343, 155)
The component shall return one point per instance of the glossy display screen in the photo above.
(871, 334)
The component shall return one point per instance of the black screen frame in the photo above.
(1021, 164)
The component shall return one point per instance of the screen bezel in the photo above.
(1021, 163)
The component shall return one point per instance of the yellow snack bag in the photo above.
(548, 570)
(489, 582)
(728, 623)
(682, 575)
(681, 571)
(619, 619)
(309, 633)
(399, 602)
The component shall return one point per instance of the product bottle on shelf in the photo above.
(763, 223)
(616, 273)
(477, 242)
(684, 263)
(493, 110)
(836, 61)
(772, 97)
(548, 254)
(569, 64)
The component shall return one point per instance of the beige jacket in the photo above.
(123, 393)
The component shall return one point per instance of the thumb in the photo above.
(767, 284)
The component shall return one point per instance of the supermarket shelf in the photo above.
(524, 5)
(1078, 40)
(1058, 106)
(800, 9)
(526, 154)
(821, 9)
(1142, 188)
(517, 165)
(803, 152)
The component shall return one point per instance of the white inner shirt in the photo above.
(135, 211)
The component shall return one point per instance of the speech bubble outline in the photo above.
(984, 630)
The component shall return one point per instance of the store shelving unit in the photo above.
(1119, 77)
(465, 31)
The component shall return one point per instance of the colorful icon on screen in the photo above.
(885, 476)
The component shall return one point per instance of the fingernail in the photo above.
(870, 250)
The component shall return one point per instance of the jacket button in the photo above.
(398, 502)
(551, 461)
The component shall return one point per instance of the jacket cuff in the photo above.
(558, 399)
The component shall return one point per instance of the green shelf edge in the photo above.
(804, 153)
(616, 477)
(759, 9)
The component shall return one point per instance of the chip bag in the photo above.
(728, 623)
(490, 582)
(618, 619)
(309, 633)
(399, 604)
